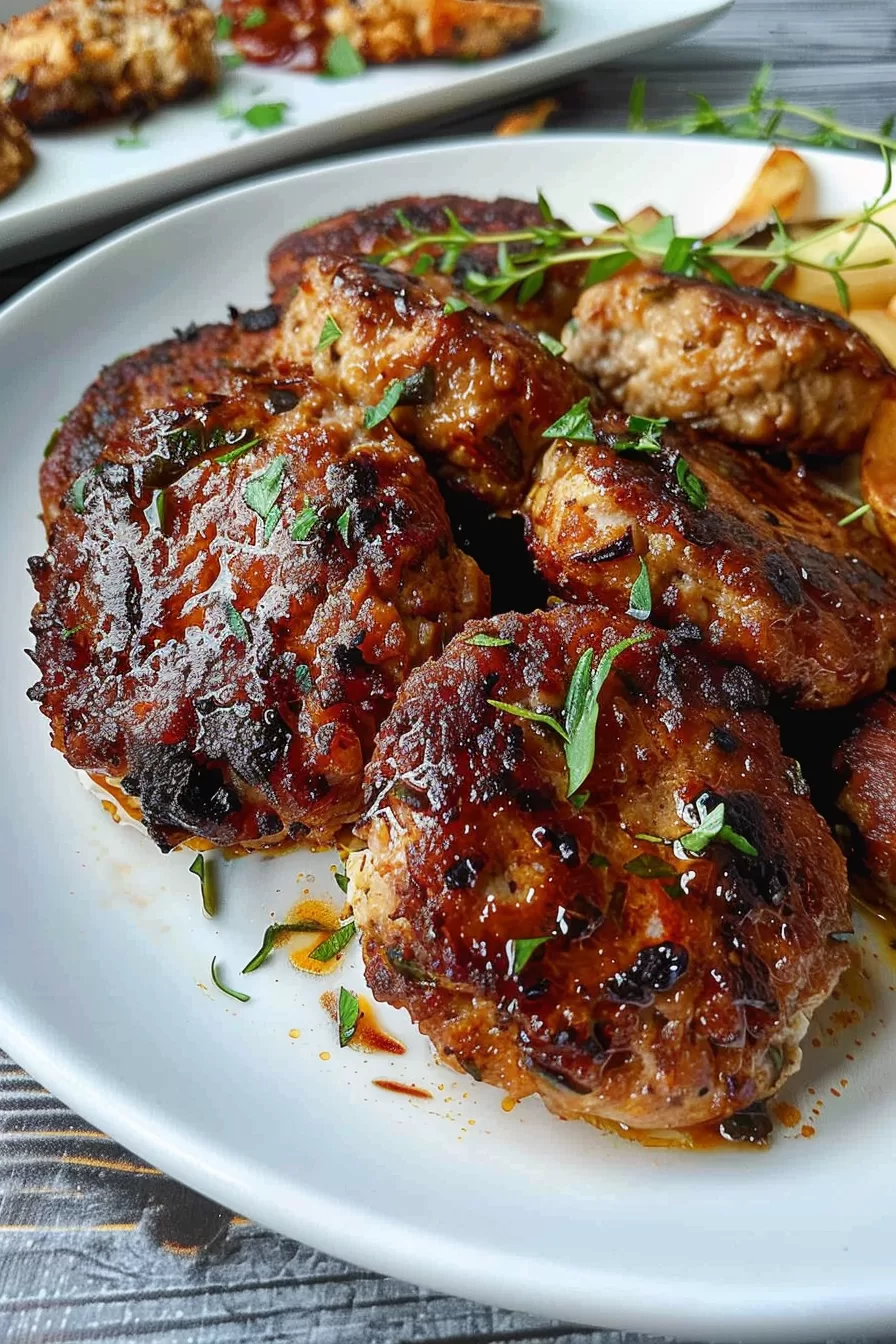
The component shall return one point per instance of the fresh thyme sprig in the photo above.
(762, 117)
(524, 256)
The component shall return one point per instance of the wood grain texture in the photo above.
(95, 1245)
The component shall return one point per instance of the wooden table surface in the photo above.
(96, 1245)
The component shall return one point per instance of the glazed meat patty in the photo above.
(199, 361)
(75, 60)
(16, 154)
(477, 393)
(747, 554)
(231, 596)
(867, 764)
(748, 365)
(370, 232)
(562, 948)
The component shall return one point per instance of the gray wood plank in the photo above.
(94, 1245)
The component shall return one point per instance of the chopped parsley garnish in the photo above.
(273, 932)
(424, 264)
(522, 713)
(232, 60)
(551, 344)
(262, 492)
(255, 18)
(337, 941)
(305, 522)
(580, 710)
(341, 880)
(576, 425)
(329, 333)
(579, 799)
(262, 116)
(647, 865)
(343, 524)
(521, 950)
(303, 677)
(342, 60)
(160, 510)
(73, 630)
(226, 458)
(236, 622)
(598, 861)
(76, 494)
(712, 826)
(270, 523)
(204, 871)
(51, 443)
(640, 602)
(375, 415)
(133, 141)
(234, 993)
(844, 522)
(348, 1012)
(645, 435)
(693, 487)
(454, 305)
(223, 27)
(483, 641)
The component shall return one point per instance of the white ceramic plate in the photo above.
(83, 178)
(102, 942)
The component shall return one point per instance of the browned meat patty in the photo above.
(72, 60)
(566, 948)
(197, 362)
(477, 395)
(749, 555)
(231, 596)
(16, 154)
(374, 230)
(748, 365)
(867, 761)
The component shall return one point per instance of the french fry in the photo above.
(868, 288)
(525, 120)
(879, 468)
(880, 325)
(777, 187)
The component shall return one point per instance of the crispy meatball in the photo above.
(379, 227)
(747, 554)
(75, 60)
(231, 596)
(477, 394)
(748, 365)
(16, 154)
(197, 362)
(384, 31)
(867, 762)
(566, 948)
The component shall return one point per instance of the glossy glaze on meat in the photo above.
(76, 60)
(483, 392)
(763, 572)
(867, 763)
(369, 232)
(748, 365)
(231, 675)
(199, 361)
(654, 1000)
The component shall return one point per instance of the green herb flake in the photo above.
(51, 443)
(305, 522)
(303, 677)
(551, 344)
(161, 509)
(255, 18)
(578, 800)
(576, 425)
(712, 826)
(598, 861)
(337, 941)
(375, 415)
(342, 60)
(223, 27)
(348, 1012)
(262, 116)
(645, 435)
(531, 715)
(483, 641)
(236, 623)
(647, 865)
(580, 711)
(133, 141)
(204, 870)
(219, 983)
(232, 60)
(329, 333)
(272, 935)
(73, 630)
(76, 493)
(226, 458)
(341, 880)
(343, 525)
(454, 305)
(640, 601)
(270, 524)
(693, 487)
(521, 950)
(855, 515)
(262, 492)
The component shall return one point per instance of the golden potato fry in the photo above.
(525, 120)
(868, 288)
(777, 187)
(880, 326)
(879, 468)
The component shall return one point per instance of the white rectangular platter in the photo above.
(84, 181)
